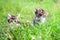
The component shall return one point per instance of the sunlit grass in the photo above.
(48, 31)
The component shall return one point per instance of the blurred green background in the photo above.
(48, 31)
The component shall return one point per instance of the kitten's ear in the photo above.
(42, 10)
(9, 15)
(35, 9)
(18, 15)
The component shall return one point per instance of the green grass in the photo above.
(48, 31)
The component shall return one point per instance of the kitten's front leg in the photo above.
(42, 20)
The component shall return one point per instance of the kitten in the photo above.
(40, 16)
(13, 19)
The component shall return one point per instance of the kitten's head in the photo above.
(12, 18)
(39, 12)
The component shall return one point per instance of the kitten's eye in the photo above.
(9, 20)
(17, 22)
(14, 20)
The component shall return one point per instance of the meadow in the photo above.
(48, 31)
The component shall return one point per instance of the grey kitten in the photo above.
(40, 16)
